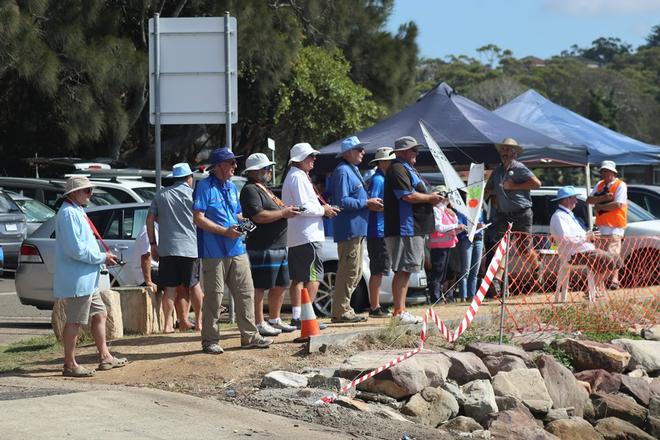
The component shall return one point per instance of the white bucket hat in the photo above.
(300, 151)
(383, 153)
(75, 183)
(256, 162)
(609, 165)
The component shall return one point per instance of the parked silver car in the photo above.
(120, 225)
(13, 230)
(35, 212)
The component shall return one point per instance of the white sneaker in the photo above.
(266, 329)
(282, 326)
(406, 318)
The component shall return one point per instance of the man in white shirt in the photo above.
(574, 243)
(305, 231)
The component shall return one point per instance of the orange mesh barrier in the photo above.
(596, 291)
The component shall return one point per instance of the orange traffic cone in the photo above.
(309, 325)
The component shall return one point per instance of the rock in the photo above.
(516, 424)
(601, 381)
(114, 326)
(465, 367)
(483, 349)
(505, 362)
(654, 407)
(645, 354)
(455, 391)
(534, 341)
(141, 310)
(590, 355)
(562, 385)
(505, 403)
(654, 426)
(373, 397)
(638, 372)
(614, 405)
(612, 428)
(328, 383)
(651, 333)
(638, 388)
(585, 385)
(350, 403)
(431, 407)
(462, 424)
(556, 414)
(479, 400)
(402, 380)
(573, 429)
(283, 379)
(386, 412)
(526, 386)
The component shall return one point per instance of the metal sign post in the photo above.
(156, 74)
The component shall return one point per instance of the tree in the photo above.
(653, 39)
(603, 50)
(494, 93)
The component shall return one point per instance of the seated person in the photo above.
(574, 243)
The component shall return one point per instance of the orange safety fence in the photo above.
(548, 290)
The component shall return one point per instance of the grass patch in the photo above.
(14, 357)
(608, 336)
(395, 335)
(559, 355)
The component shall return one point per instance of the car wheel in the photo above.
(323, 300)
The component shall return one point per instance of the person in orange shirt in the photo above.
(610, 200)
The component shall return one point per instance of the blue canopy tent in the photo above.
(544, 116)
(466, 132)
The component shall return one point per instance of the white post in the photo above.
(228, 73)
(157, 99)
(589, 208)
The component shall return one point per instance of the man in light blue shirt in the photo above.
(78, 261)
(216, 212)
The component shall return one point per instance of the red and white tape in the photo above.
(442, 328)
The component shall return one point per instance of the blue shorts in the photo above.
(269, 268)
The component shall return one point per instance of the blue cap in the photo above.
(565, 192)
(351, 143)
(180, 170)
(221, 155)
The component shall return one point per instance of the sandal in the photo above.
(112, 363)
(77, 371)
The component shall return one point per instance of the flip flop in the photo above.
(112, 363)
(77, 371)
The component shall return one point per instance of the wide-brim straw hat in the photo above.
(75, 183)
(383, 153)
(509, 142)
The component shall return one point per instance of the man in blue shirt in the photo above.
(379, 260)
(216, 212)
(77, 265)
(350, 227)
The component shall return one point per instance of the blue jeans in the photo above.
(439, 263)
(470, 263)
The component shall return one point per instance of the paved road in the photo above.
(16, 320)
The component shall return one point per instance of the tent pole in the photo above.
(590, 211)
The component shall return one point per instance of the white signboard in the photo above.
(192, 71)
(271, 144)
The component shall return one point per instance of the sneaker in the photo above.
(258, 343)
(265, 329)
(297, 323)
(406, 318)
(213, 349)
(379, 312)
(283, 326)
(348, 317)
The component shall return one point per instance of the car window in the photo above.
(101, 220)
(541, 210)
(139, 218)
(50, 197)
(7, 205)
(35, 211)
(120, 195)
(147, 193)
(637, 213)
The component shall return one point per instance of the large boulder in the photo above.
(431, 407)
(283, 379)
(504, 362)
(644, 354)
(401, 381)
(483, 349)
(612, 428)
(462, 424)
(465, 367)
(114, 327)
(590, 355)
(573, 429)
(516, 424)
(601, 381)
(525, 385)
(479, 400)
(562, 386)
(638, 388)
(623, 407)
(652, 333)
(142, 310)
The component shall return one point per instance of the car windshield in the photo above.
(35, 211)
(101, 198)
(7, 205)
(146, 193)
(638, 214)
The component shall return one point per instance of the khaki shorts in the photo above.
(406, 253)
(80, 308)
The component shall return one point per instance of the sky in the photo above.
(527, 27)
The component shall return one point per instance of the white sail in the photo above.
(475, 196)
(453, 181)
